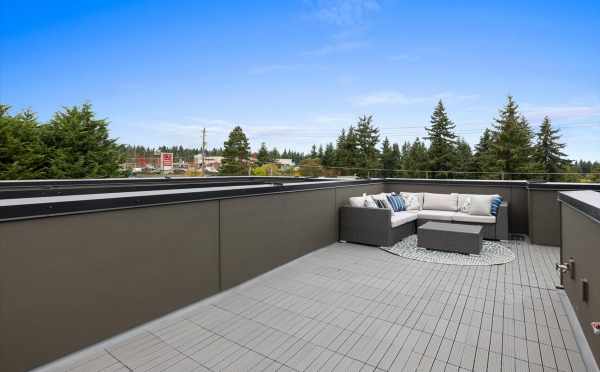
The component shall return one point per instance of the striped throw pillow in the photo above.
(397, 202)
(496, 204)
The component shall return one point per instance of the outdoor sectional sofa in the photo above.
(384, 227)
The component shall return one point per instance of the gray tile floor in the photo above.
(355, 308)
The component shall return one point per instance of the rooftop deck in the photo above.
(352, 307)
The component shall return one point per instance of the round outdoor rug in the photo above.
(492, 253)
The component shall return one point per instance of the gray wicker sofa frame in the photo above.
(373, 226)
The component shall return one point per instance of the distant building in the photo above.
(211, 163)
(285, 162)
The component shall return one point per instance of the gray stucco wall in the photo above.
(68, 282)
(544, 217)
(580, 240)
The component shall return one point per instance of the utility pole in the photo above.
(203, 151)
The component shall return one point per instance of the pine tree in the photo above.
(263, 155)
(397, 156)
(313, 152)
(390, 157)
(367, 137)
(320, 153)
(417, 159)
(79, 146)
(274, 155)
(22, 154)
(328, 159)
(236, 153)
(347, 150)
(387, 157)
(548, 150)
(511, 145)
(442, 141)
(483, 160)
(464, 159)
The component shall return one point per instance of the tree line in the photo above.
(74, 143)
(509, 149)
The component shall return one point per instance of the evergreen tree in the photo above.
(78, 145)
(262, 157)
(442, 141)
(236, 153)
(328, 159)
(483, 160)
(347, 150)
(313, 152)
(464, 159)
(22, 154)
(367, 137)
(274, 155)
(548, 150)
(511, 146)
(390, 157)
(320, 153)
(404, 157)
(397, 156)
(417, 159)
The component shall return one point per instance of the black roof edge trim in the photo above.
(38, 210)
(585, 201)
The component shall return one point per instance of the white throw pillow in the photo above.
(357, 201)
(481, 205)
(464, 203)
(413, 200)
(440, 202)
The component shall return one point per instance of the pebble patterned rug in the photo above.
(492, 253)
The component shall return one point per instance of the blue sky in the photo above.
(293, 73)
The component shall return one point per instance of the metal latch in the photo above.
(567, 267)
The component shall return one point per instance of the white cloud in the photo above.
(344, 12)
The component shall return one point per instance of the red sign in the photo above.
(166, 160)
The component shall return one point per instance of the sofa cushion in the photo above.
(440, 202)
(465, 217)
(427, 214)
(412, 200)
(357, 201)
(400, 218)
(481, 205)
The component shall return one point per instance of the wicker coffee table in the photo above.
(450, 237)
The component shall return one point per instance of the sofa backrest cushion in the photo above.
(440, 202)
(357, 201)
(412, 200)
